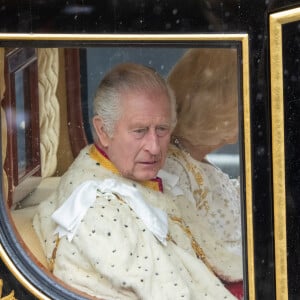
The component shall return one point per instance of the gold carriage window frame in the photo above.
(192, 40)
(277, 20)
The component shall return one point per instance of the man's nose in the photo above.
(152, 143)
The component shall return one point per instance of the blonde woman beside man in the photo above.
(205, 84)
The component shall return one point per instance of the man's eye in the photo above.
(162, 130)
(139, 132)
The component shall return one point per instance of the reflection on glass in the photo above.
(20, 120)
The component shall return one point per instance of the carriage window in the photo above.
(21, 108)
(206, 147)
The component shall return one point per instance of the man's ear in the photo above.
(100, 131)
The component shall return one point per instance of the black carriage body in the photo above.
(201, 17)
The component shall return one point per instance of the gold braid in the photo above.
(179, 152)
(196, 247)
(53, 257)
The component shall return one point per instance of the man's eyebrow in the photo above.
(138, 125)
(164, 124)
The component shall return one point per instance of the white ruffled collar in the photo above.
(69, 215)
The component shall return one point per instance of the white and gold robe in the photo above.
(112, 254)
(212, 211)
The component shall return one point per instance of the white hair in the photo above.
(127, 77)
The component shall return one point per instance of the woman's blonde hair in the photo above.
(205, 84)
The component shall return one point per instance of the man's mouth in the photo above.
(150, 162)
